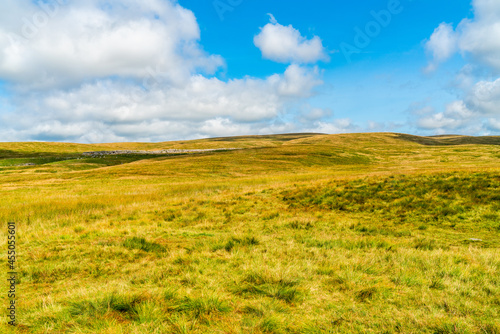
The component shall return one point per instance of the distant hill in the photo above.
(16, 149)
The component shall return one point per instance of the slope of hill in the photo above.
(294, 233)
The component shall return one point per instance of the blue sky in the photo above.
(332, 21)
(103, 71)
(392, 62)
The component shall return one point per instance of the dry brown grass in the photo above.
(208, 243)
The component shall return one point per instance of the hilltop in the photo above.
(14, 148)
(251, 155)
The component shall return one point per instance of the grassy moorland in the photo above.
(357, 233)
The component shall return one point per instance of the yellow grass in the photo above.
(304, 233)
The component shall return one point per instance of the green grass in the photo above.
(462, 203)
(300, 233)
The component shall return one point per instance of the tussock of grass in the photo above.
(233, 242)
(270, 325)
(124, 304)
(366, 294)
(202, 307)
(260, 284)
(362, 244)
(253, 310)
(426, 244)
(144, 245)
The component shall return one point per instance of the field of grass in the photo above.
(301, 233)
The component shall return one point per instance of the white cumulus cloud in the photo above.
(469, 116)
(456, 116)
(494, 124)
(478, 37)
(285, 44)
(478, 40)
(485, 97)
(162, 112)
(442, 45)
(87, 39)
(344, 125)
(121, 70)
(481, 36)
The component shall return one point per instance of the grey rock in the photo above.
(100, 154)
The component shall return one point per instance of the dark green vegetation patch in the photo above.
(461, 201)
(144, 245)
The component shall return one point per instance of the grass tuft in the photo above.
(144, 245)
(234, 242)
(202, 306)
(366, 294)
(284, 289)
(124, 304)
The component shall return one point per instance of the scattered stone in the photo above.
(100, 154)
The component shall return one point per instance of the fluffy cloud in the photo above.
(285, 44)
(494, 124)
(109, 70)
(479, 37)
(485, 97)
(454, 117)
(297, 81)
(344, 125)
(124, 110)
(442, 45)
(52, 43)
(244, 100)
(469, 115)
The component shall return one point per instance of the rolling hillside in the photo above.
(293, 233)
